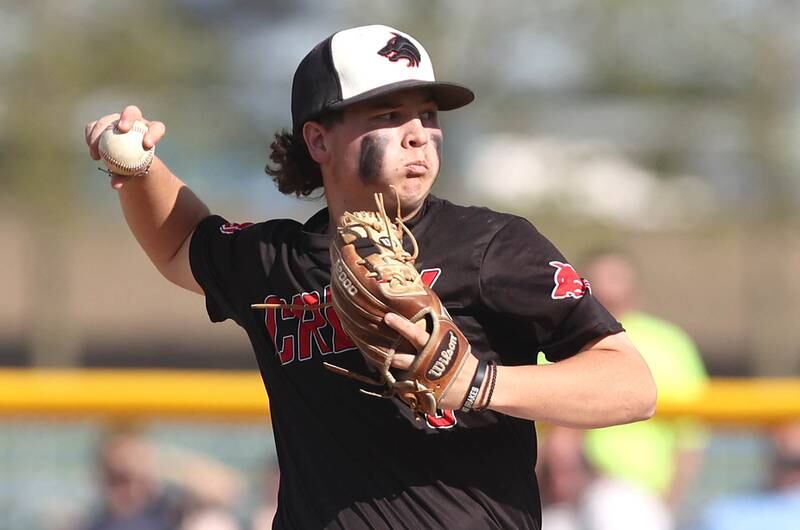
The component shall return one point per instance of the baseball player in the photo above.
(365, 107)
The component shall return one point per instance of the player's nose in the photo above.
(415, 134)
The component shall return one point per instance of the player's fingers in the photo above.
(117, 181)
(414, 334)
(97, 129)
(155, 132)
(87, 131)
(130, 114)
(402, 361)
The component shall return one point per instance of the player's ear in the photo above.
(314, 135)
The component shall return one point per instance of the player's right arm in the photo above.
(161, 211)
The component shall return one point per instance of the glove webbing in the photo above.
(397, 248)
(400, 253)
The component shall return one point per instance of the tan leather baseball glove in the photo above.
(371, 275)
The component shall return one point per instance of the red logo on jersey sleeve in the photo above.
(230, 228)
(568, 284)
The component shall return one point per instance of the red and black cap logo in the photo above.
(399, 47)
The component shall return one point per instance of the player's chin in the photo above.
(414, 189)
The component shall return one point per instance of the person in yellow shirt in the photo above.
(662, 456)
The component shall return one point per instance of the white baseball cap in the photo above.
(360, 63)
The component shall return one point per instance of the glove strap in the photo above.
(475, 386)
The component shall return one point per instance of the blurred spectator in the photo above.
(206, 482)
(658, 455)
(210, 519)
(778, 508)
(132, 496)
(575, 498)
(143, 488)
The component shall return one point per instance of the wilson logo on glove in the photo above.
(442, 364)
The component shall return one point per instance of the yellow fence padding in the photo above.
(133, 393)
(241, 396)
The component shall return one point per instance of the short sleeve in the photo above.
(225, 257)
(525, 277)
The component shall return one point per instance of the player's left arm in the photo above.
(525, 278)
(606, 383)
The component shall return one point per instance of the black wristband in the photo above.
(492, 381)
(475, 386)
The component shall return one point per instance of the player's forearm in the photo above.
(595, 388)
(161, 211)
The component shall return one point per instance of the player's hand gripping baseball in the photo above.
(418, 338)
(130, 114)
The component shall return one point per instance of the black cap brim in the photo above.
(448, 96)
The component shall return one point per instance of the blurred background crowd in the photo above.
(657, 143)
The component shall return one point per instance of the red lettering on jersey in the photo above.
(286, 350)
(308, 330)
(443, 419)
(311, 322)
(568, 284)
(429, 276)
(341, 341)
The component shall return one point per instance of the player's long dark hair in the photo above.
(292, 168)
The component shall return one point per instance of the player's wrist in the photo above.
(487, 389)
(475, 385)
(156, 172)
(479, 389)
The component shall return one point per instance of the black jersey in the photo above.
(353, 461)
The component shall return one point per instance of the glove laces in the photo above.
(388, 271)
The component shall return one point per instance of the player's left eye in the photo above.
(428, 115)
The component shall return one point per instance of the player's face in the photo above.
(391, 140)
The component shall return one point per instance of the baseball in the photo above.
(123, 153)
